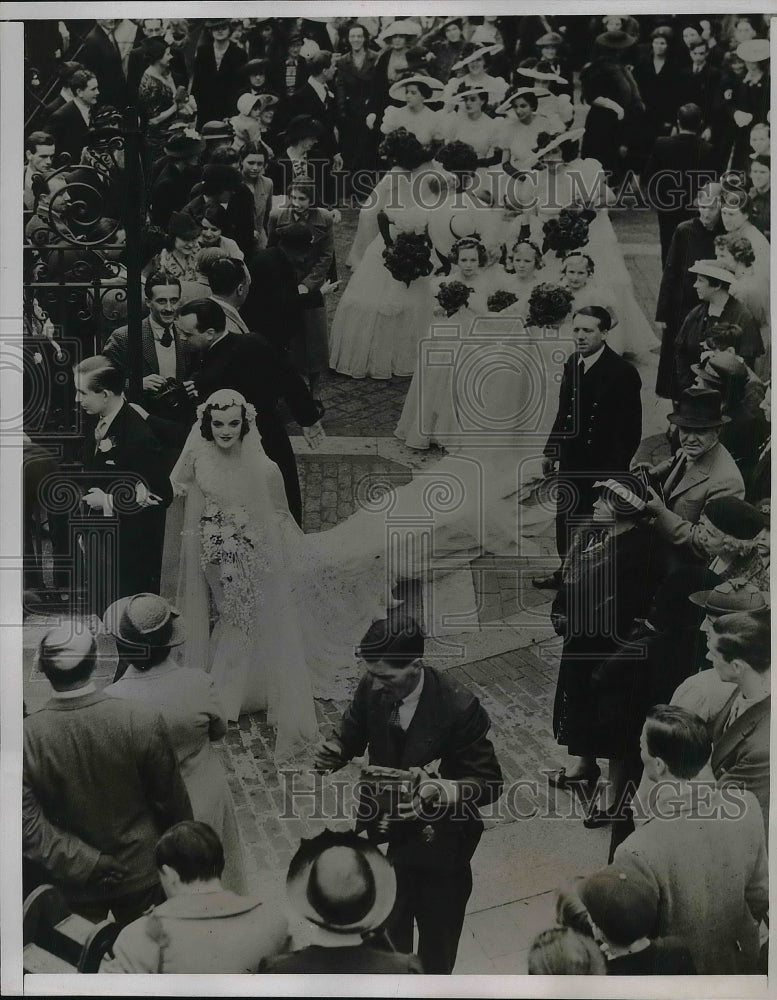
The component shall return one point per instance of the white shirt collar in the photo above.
(157, 329)
(328, 939)
(407, 707)
(77, 693)
(591, 359)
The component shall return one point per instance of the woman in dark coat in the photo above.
(609, 577)
(616, 108)
(353, 90)
(216, 78)
(657, 79)
(664, 650)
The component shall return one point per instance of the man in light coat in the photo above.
(201, 927)
(701, 848)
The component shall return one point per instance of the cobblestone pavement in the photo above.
(511, 668)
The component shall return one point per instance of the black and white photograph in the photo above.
(385, 456)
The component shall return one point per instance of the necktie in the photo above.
(167, 338)
(99, 431)
(393, 719)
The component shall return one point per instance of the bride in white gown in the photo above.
(290, 608)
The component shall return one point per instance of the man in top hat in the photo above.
(597, 428)
(701, 470)
(173, 185)
(345, 889)
(623, 909)
(677, 167)
(716, 305)
(100, 784)
(411, 716)
(201, 927)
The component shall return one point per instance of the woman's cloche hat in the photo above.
(146, 620)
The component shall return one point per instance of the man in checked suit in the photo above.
(164, 354)
(598, 425)
(410, 716)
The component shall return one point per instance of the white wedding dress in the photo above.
(290, 608)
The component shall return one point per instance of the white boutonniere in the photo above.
(728, 94)
(107, 444)
(37, 358)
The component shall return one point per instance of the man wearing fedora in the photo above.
(100, 784)
(701, 470)
(201, 927)
(716, 305)
(345, 889)
(410, 716)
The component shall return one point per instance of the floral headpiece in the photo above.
(222, 399)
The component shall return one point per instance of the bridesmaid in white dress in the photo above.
(417, 90)
(379, 320)
(525, 261)
(521, 127)
(470, 124)
(577, 274)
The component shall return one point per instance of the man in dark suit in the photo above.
(100, 53)
(249, 364)
(740, 651)
(172, 188)
(700, 84)
(692, 240)
(678, 166)
(273, 306)
(70, 125)
(409, 715)
(315, 99)
(124, 468)
(100, 784)
(597, 428)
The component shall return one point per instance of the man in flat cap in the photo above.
(100, 785)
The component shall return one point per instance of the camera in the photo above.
(172, 394)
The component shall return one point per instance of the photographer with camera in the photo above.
(410, 717)
(167, 390)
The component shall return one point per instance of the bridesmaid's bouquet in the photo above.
(452, 296)
(500, 300)
(568, 232)
(409, 257)
(549, 305)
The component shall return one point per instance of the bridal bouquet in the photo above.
(409, 257)
(568, 232)
(500, 300)
(549, 305)
(228, 543)
(452, 296)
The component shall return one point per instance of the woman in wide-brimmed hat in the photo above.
(751, 99)
(417, 91)
(400, 56)
(616, 107)
(471, 69)
(147, 628)
(552, 100)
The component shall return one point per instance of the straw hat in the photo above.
(479, 53)
(756, 50)
(146, 620)
(400, 27)
(712, 269)
(730, 596)
(396, 91)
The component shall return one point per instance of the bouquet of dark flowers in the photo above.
(409, 257)
(549, 305)
(499, 300)
(452, 296)
(568, 232)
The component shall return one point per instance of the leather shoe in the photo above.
(552, 582)
(602, 817)
(559, 779)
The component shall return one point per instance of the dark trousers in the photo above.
(575, 503)
(125, 908)
(277, 447)
(435, 899)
